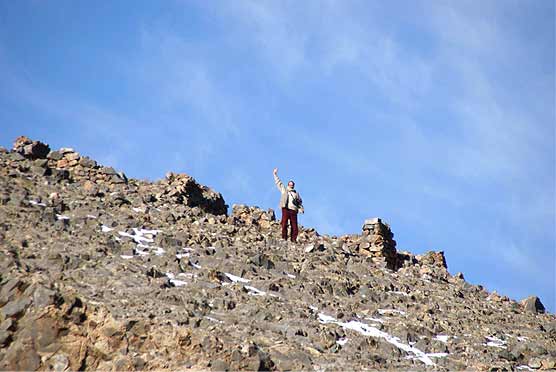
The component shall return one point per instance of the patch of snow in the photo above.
(138, 210)
(123, 233)
(367, 330)
(195, 265)
(176, 282)
(159, 251)
(106, 228)
(374, 320)
(254, 291)
(442, 338)
(437, 355)
(141, 236)
(126, 257)
(521, 339)
(91, 217)
(290, 276)
(342, 341)
(400, 293)
(182, 255)
(213, 319)
(314, 308)
(34, 202)
(390, 311)
(236, 279)
(527, 368)
(495, 342)
(62, 217)
(323, 318)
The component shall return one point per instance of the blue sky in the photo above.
(438, 116)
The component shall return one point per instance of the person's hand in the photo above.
(275, 171)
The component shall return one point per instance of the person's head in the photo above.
(291, 184)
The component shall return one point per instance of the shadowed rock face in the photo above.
(102, 272)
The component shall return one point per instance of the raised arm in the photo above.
(277, 181)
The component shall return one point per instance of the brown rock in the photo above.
(533, 304)
(31, 149)
(71, 156)
(62, 163)
(90, 188)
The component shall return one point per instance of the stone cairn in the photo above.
(82, 167)
(377, 242)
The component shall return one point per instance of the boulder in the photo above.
(184, 189)
(30, 149)
(533, 304)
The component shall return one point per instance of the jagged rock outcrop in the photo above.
(185, 190)
(30, 149)
(533, 304)
(100, 274)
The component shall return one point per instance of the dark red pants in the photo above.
(289, 215)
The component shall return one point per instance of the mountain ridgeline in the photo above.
(104, 272)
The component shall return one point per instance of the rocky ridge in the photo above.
(102, 271)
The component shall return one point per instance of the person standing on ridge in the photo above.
(291, 204)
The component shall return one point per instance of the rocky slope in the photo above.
(99, 271)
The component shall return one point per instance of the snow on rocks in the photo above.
(163, 300)
(390, 312)
(236, 279)
(250, 289)
(213, 319)
(254, 291)
(376, 320)
(368, 330)
(158, 251)
(342, 341)
(142, 238)
(34, 202)
(141, 235)
(176, 282)
(495, 342)
(106, 229)
(442, 338)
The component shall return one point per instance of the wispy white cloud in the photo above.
(180, 78)
(306, 42)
